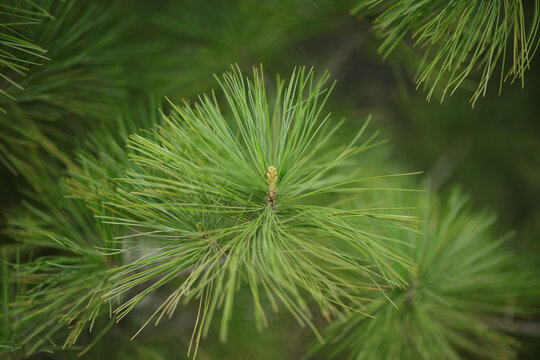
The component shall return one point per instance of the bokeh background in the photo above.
(146, 50)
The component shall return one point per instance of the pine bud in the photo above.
(271, 180)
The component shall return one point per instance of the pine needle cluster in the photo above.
(460, 39)
(224, 200)
(206, 203)
(62, 68)
(54, 297)
(468, 287)
(19, 51)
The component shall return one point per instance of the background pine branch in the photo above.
(460, 39)
(467, 282)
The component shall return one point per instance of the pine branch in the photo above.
(466, 278)
(61, 292)
(223, 201)
(78, 86)
(18, 50)
(460, 39)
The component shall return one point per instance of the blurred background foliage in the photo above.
(106, 61)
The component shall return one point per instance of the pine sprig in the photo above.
(460, 39)
(467, 283)
(77, 87)
(212, 202)
(60, 293)
(18, 49)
